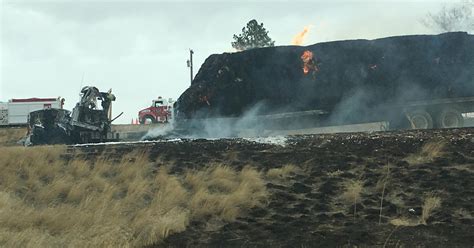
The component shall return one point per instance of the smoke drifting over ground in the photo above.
(161, 131)
(245, 126)
(258, 127)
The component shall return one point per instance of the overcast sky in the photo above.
(139, 48)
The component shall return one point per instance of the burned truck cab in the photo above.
(89, 122)
(49, 126)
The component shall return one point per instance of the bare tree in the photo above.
(457, 17)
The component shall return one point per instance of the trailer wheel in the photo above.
(420, 119)
(450, 117)
(147, 119)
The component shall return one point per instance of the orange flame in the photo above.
(307, 58)
(298, 40)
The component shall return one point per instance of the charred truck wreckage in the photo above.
(88, 122)
(416, 81)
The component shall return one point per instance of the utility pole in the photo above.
(190, 63)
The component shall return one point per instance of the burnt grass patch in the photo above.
(305, 209)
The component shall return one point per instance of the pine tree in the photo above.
(254, 35)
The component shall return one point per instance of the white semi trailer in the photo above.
(15, 111)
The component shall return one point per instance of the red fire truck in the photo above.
(160, 111)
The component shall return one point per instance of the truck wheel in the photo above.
(147, 119)
(450, 117)
(420, 119)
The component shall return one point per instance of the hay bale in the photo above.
(357, 75)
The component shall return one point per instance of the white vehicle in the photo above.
(15, 111)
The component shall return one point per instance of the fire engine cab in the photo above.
(159, 112)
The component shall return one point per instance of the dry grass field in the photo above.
(10, 136)
(51, 200)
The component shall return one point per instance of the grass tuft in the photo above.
(352, 192)
(430, 204)
(428, 153)
(282, 173)
(403, 222)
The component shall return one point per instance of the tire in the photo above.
(449, 117)
(147, 117)
(420, 119)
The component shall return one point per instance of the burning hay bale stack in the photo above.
(354, 75)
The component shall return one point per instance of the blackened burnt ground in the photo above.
(307, 207)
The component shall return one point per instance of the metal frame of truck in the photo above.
(425, 114)
(438, 113)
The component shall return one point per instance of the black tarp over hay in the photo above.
(354, 77)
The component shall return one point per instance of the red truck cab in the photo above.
(159, 112)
